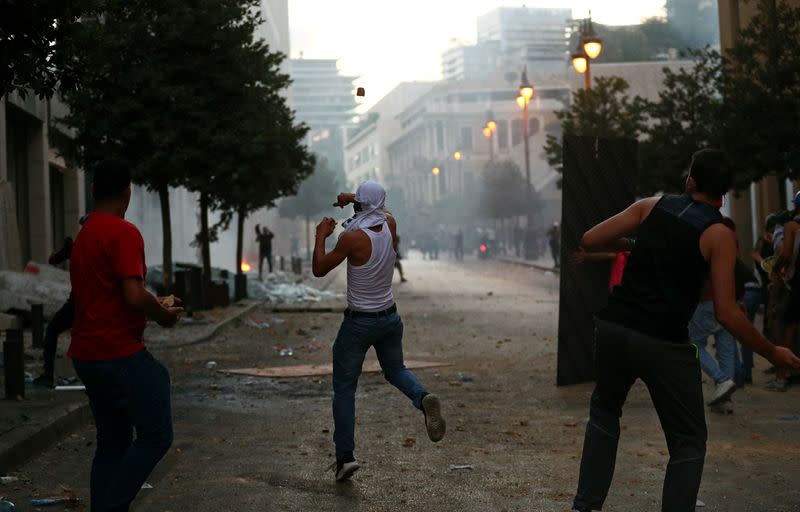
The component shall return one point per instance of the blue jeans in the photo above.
(753, 298)
(702, 325)
(126, 394)
(356, 336)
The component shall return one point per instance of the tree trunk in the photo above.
(166, 232)
(308, 238)
(205, 246)
(240, 241)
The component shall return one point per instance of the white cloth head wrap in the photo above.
(372, 198)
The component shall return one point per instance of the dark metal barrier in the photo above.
(599, 181)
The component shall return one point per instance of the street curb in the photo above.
(26, 443)
(31, 442)
(525, 263)
(218, 326)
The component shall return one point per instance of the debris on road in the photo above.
(465, 378)
(7, 506)
(8, 479)
(146, 486)
(791, 417)
(409, 442)
(256, 325)
(211, 365)
(461, 467)
(76, 387)
(286, 352)
(310, 370)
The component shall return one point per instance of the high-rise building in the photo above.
(532, 36)
(471, 61)
(695, 22)
(324, 99)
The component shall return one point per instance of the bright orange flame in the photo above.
(246, 266)
(483, 248)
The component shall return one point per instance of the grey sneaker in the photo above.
(344, 470)
(779, 385)
(434, 422)
(723, 392)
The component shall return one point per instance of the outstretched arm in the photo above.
(258, 230)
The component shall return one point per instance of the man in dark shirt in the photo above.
(264, 238)
(127, 388)
(642, 333)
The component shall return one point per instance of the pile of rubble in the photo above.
(38, 284)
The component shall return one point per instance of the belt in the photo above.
(365, 314)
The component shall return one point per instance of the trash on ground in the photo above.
(311, 370)
(257, 325)
(19, 290)
(699, 504)
(69, 500)
(277, 321)
(7, 506)
(67, 381)
(461, 467)
(409, 442)
(28, 378)
(8, 479)
(211, 365)
(286, 352)
(465, 378)
(311, 347)
(76, 387)
(146, 486)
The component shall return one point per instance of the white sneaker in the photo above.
(723, 391)
(346, 470)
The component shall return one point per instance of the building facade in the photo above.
(41, 198)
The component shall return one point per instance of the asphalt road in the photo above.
(254, 444)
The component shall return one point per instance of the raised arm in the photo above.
(610, 235)
(323, 262)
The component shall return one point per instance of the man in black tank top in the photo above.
(642, 333)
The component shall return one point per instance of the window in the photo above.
(466, 138)
(439, 137)
(516, 131)
(502, 134)
(533, 126)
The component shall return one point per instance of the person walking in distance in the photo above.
(642, 332)
(371, 318)
(397, 264)
(264, 238)
(554, 238)
(127, 388)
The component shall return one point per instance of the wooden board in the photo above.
(312, 370)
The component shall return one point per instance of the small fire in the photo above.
(483, 247)
(246, 266)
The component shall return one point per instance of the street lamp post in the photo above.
(488, 132)
(523, 100)
(589, 48)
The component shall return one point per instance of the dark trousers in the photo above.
(356, 336)
(556, 252)
(261, 257)
(61, 322)
(126, 394)
(671, 372)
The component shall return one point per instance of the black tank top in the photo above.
(661, 284)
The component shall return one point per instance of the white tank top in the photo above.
(369, 286)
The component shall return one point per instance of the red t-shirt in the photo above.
(106, 251)
(618, 268)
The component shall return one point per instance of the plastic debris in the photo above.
(461, 467)
(67, 381)
(278, 321)
(7, 506)
(77, 387)
(286, 352)
(211, 365)
(791, 417)
(699, 504)
(146, 486)
(8, 479)
(465, 378)
(256, 325)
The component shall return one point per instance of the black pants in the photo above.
(261, 257)
(671, 372)
(126, 394)
(61, 322)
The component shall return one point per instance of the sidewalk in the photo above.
(28, 427)
(543, 263)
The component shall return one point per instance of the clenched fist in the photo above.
(326, 227)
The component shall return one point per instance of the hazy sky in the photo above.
(385, 42)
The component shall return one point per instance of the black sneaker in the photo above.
(434, 422)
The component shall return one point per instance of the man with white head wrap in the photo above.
(371, 319)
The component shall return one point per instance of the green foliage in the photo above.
(315, 196)
(685, 118)
(762, 92)
(503, 194)
(36, 45)
(604, 111)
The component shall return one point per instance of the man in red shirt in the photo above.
(127, 388)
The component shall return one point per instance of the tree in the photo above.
(762, 94)
(603, 111)
(315, 196)
(36, 46)
(503, 192)
(685, 118)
